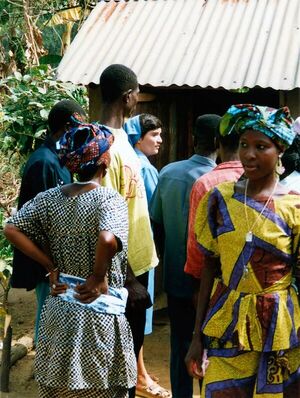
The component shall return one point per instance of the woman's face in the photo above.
(258, 154)
(150, 143)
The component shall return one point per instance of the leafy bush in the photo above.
(26, 101)
(5, 247)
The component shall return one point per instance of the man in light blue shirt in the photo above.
(169, 212)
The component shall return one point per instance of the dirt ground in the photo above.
(22, 307)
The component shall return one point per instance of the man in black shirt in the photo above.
(43, 171)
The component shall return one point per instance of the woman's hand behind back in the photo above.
(92, 288)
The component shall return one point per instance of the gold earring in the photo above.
(279, 167)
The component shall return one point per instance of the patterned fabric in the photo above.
(133, 129)
(253, 306)
(226, 171)
(80, 349)
(42, 171)
(113, 303)
(49, 392)
(239, 374)
(85, 145)
(274, 123)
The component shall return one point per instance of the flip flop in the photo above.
(152, 391)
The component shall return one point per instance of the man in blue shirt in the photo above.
(169, 212)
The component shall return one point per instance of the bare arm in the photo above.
(193, 358)
(138, 296)
(30, 249)
(27, 246)
(96, 283)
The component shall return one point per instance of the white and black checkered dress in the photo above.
(80, 353)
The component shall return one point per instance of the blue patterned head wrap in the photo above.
(133, 129)
(84, 145)
(274, 123)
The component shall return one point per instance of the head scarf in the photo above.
(274, 123)
(133, 129)
(84, 145)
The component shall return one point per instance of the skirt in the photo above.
(252, 374)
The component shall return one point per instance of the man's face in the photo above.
(133, 97)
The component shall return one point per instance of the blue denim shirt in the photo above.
(170, 207)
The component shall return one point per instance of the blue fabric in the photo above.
(292, 181)
(42, 291)
(149, 174)
(150, 177)
(84, 145)
(274, 123)
(170, 208)
(113, 303)
(149, 311)
(133, 129)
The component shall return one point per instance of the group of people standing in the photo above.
(228, 234)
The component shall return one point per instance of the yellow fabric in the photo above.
(124, 176)
(242, 297)
(236, 369)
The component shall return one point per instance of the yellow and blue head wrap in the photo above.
(275, 123)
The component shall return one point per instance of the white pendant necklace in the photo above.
(249, 234)
(87, 182)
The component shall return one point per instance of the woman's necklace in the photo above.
(87, 182)
(249, 234)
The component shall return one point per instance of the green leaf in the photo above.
(35, 103)
(42, 90)
(18, 75)
(40, 133)
(44, 114)
(4, 266)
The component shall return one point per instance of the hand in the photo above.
(193, 359)
(56, 287)
(138, 297)
(92, 288)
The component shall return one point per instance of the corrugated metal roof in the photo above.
(212, 43)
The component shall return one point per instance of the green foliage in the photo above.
(26, 102)
(5, 274)
(13, 26)
(5, 247)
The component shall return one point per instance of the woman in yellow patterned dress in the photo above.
(248, 314)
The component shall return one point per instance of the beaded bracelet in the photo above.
(50, 272)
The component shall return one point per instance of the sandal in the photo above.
(154, 390)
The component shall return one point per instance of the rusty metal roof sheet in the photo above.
(205, 43)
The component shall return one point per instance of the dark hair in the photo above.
(149, 122)
(115, 80)
(61, 113)
(291, 157)
(205, 132)
(230, 141)
(88, 172)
